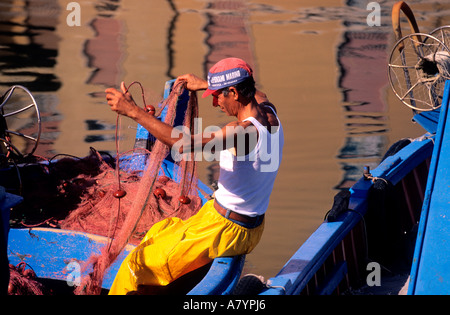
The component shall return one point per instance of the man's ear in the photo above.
(235, 92)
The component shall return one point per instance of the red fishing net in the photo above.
(122, 200)
(23, 281)
(101, 212)
(149, 198)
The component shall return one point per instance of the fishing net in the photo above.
(95, 212)
(120, 198)
(126, 201)
(23, 281)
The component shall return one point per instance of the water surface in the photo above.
(322, 65)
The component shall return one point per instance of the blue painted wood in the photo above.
(221, 278)
(430, 273)
(302, 266)
(428, 120)
(142, 133)
(50, 251)
(143, 137)
(7, 201)
(333, 279)
(308, 259)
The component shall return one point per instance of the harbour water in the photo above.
(322, 65)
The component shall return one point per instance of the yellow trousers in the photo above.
(173, 247)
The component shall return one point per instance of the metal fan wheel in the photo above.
(418, 66)
(20, 122)
(443, 34)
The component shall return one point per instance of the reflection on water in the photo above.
(362, 57)
(29, 44)
(322, 66)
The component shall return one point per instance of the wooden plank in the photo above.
(221, 278)
(333, 279)
(430, 273)
(428, 120)
(49, 251)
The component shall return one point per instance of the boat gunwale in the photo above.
(303, 265)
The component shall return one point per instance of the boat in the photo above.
(374, 225)
(389, 233)
(56, 255)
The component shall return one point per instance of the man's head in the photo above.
(231, 72)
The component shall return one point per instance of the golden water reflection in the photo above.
(322, 66)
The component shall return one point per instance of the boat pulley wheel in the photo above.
(419, 65)
(443, 34)
(20, 122)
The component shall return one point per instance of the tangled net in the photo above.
(120, 199)
(125, 209)
(101, 212)
(23, 281)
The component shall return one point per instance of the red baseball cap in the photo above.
(227, 72)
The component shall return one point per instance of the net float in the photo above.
(30, 274)
(11, 288)
(184, 200)
(159, 193)
(150, 109)
(119, 193)
(163, 179)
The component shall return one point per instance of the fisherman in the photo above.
(232, 223)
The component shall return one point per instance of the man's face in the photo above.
(218, 100)
(226, 103)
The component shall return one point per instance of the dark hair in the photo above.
(245, 88)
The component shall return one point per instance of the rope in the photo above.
(120, 193)
(117, 138)
(434, 67)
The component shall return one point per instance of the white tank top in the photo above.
(246, 182)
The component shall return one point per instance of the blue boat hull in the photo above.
(334, 258)
(430, 273)
(379, 225)
(58, 254)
